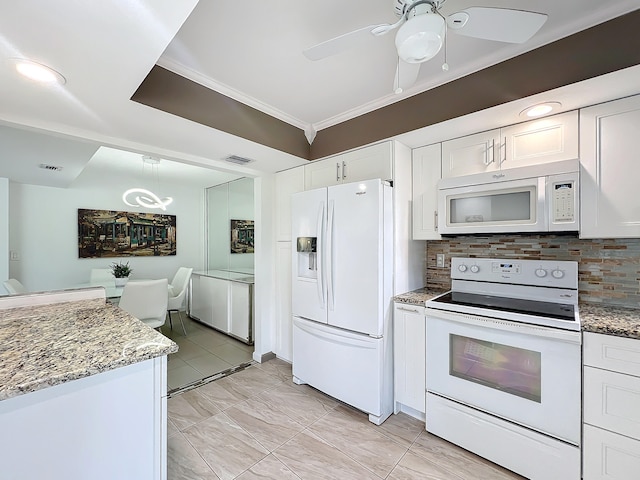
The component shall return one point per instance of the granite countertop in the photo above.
(46, 345)
(233, 276)
(609, 320)
(417, 297)
(595, 318)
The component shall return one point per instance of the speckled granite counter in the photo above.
(42, 346)
(621, 322)
(417, 297)
(608, 320)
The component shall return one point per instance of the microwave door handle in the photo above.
(503, 157)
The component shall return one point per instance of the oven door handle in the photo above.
(568, 336)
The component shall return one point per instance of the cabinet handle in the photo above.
(414, 310)
(490, 157)
(435, 220)
(337, 171)
(344, 170)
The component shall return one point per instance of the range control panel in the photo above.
(550, 273)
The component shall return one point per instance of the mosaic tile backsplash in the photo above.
(608, 273)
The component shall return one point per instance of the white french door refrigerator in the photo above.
(342, 285)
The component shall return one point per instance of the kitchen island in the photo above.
(82, 389)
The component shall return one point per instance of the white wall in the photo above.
(4, 231)
(43, 230)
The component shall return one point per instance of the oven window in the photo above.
(509, 369)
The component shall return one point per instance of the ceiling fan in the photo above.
(422, 29)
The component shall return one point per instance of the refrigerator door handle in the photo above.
(320, 281)
(329, 257)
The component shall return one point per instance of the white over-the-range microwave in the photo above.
(538, 198)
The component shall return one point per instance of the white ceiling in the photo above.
(248, 50)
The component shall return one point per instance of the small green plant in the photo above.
(121, 270)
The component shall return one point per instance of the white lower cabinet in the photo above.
(284, 326)
(611, 410)
(409, 356)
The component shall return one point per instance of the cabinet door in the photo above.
(323, 173)
(287, 182)
(368, 163)
(426, 165)
(609, 456)
(549, 139)
(284, 327)
(610, 169)
(200, 306)
(611, 401)
(476, 153)
(218, 295)
(240, 311)
(409, 347)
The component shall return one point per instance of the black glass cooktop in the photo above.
(557, 311)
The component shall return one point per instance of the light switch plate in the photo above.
(440, 260)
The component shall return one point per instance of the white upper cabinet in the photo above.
(476, 153)
(287, 182)
(610, 169)
(366, 163)
(425, 175)
(549, 139)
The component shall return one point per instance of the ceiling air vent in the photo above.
(51, 168)
(237, 160)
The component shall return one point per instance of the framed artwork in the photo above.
(241, 236)
(113, 233)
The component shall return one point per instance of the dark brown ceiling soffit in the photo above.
(172, 93)
(599, 50)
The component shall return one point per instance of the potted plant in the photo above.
(121, 271)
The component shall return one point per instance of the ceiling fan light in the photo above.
(420, 38)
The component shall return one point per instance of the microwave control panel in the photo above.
(563, 201)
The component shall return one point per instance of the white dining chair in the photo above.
(101, 275)
(14, 287)
(146, 300)
(177, 293)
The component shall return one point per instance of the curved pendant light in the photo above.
(420, 38)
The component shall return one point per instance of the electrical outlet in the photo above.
(13, 255)
(440, 260)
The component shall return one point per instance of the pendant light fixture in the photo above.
(142, 197)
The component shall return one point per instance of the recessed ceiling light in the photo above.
(38, 72)
(541, 109)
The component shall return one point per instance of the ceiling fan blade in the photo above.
(499, 24)
(406, 75)
(345, 41)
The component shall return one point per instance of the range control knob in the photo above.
(557, 273)
(474, 268)
(462, 267)
(541, 272)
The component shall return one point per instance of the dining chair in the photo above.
(14, 287)
(146, 300)
(177, 293)
(101, 275)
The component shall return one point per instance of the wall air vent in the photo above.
(237, 160)
(52, 168)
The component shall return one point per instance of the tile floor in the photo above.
(257, 424)
(203, 352)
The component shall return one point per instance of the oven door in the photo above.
(526, 374)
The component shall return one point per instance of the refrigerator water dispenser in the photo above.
(307, 253)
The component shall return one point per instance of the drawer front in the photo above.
(612, 401)
(609, 456)
(612, 353)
